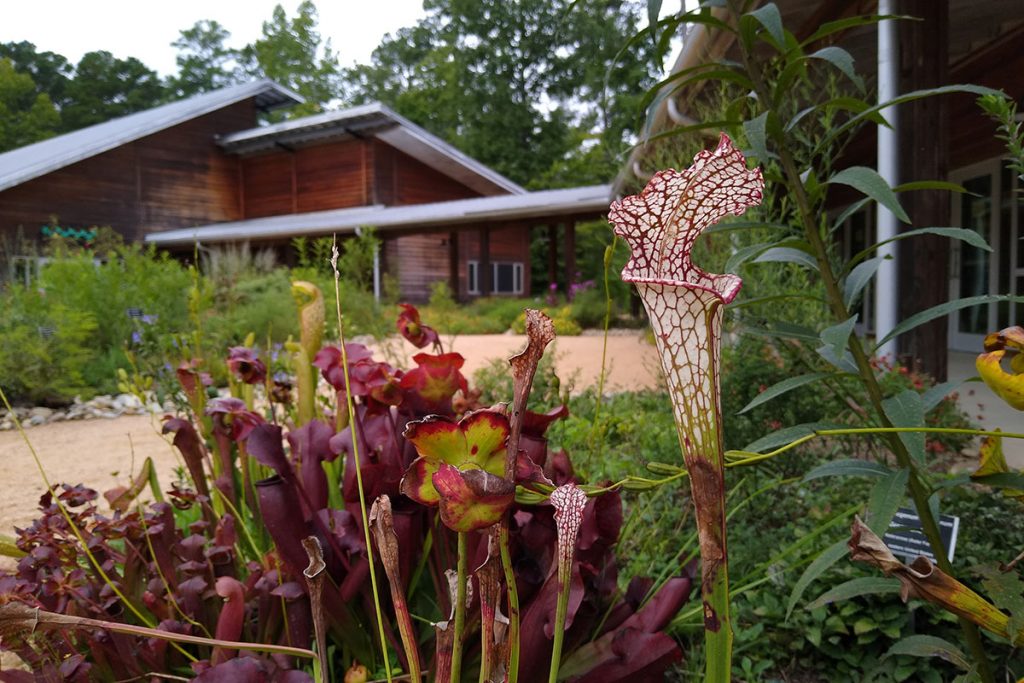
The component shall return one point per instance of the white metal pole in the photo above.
(886, 282)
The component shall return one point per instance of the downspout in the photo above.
(886, 282)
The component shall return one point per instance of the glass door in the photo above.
(988, 207)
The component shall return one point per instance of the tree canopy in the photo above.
(26, 115)
(531, 88)
(205, 62)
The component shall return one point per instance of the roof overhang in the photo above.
(532, 206)
(32, 161)
(373, 120)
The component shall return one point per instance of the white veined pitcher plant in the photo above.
(685, 307)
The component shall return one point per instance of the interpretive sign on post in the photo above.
(904, 536)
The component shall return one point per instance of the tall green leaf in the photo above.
(819, 566)
(756, 136)
(945, 309)
(768, 16)
(969, 236)
(886, 498)
(865, 585)
(867, 181)
(929, 646)
(788, 255)
(840, 59)
(782, 387)
(859, 278)
(906, 409)
(848, 468)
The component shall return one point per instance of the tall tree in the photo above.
(291, 52)
(105, 87)
(204, 60)
(50, 71)
(26, 115)
(531, 87)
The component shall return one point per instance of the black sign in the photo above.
(904, 536)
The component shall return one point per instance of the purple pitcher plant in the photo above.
(685, 306)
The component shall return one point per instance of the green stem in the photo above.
(513, 603)
(834, 296)
(460, 607)
(351, 411)
(561, 608)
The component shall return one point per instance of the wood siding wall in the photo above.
(176, 178)
(399, 179)
(418, 261)
(335, 175)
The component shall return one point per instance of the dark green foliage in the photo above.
(519, 86)
(291, 52)
(26, 115)
(204, 61)
(105, 87)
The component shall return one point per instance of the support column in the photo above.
(453, 265)
(484, 276)
(886, 285)
(924, 262)
(553, 254)
(570, 256)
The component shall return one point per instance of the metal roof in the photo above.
(592, 199)
(373, 120)
(25, 163)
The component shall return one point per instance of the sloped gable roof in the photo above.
(374, 120)
(25, 163)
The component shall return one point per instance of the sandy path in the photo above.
(99, 453)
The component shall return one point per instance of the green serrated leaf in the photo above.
(848, 468)
(867, 181)
(867, 585)
(929, 646)
(906, 409)
(886, 498)
(782, 387)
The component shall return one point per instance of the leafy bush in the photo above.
(46, 349)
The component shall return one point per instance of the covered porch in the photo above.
(480, 246)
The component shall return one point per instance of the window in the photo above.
(506, 277)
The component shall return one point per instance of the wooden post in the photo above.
(924, 262)
(553, 254)
(453, 264)
(570, 257)
(484, 276)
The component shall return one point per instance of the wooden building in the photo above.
(202, 171)
(938, 138)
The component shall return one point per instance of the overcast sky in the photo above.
(145, 29)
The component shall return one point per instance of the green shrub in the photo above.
(46, 347)
(588, 308)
